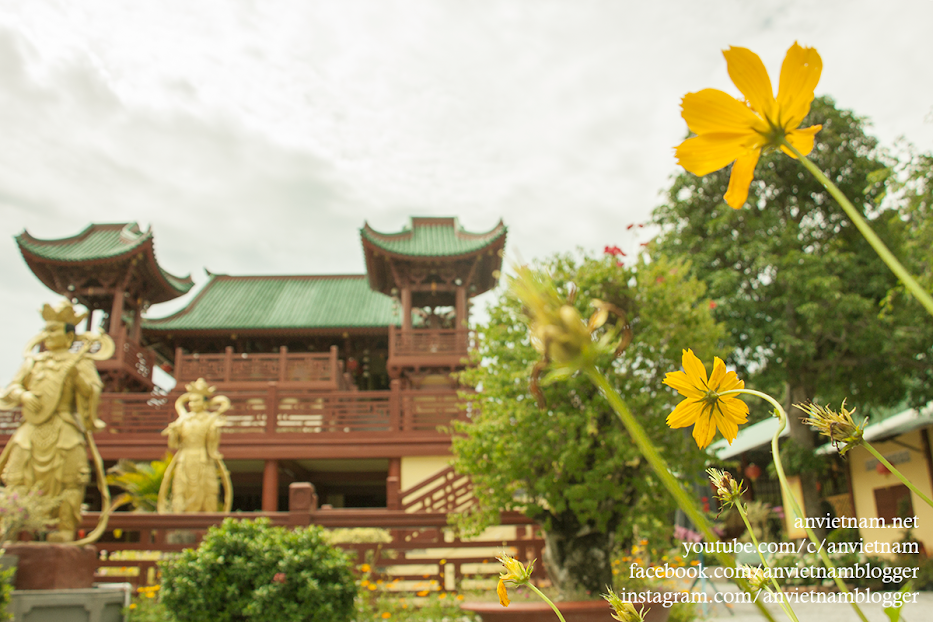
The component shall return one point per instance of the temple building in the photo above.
(345, 381)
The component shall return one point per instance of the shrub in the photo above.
(6, 591)
(249, 570)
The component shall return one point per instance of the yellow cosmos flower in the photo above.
(731, 131)
(516, 572)
(705, 408)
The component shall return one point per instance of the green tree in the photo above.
(800, 291)
(572, 467)
(915, 198)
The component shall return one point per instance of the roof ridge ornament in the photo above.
(130, 233)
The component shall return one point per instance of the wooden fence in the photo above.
(420, 551)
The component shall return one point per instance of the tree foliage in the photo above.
(572, 467)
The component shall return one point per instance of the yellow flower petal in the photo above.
(719, 370)
(704, 431)
(748, 73)
(800, 74)
(503, 595)
(703, 154)
(693, 367)
(729, 382)
(728, 427)
(679, 381)
(686, 413)
(711, 110)
(802, 140)
(743, 172)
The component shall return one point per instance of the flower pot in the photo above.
(573, 611)
(54, 566)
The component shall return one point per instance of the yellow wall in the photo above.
(416, 469)
(865, 481)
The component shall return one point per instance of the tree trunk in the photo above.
(578, 558)
(803, 437)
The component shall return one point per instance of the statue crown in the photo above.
(63, 311)
(200, 387)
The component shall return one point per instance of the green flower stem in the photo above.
(898, 474)
(686, 502)
(547, 600)
(886, 256)
(782, 417)
(785, 603)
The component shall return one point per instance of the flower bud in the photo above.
(623, 611)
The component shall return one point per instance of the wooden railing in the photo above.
(313, 369)
(130, 358)
(274, 409)
(446, 492)
(422, 553)
(138, 359)
(427, 341)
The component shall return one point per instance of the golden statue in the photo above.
(192, 474)
(58, 390)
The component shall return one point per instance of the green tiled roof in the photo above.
(95, 242)
(432, 237)
(282, 302)
(101, 242)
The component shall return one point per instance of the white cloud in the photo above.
(257, 137)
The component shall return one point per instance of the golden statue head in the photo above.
(60, 322)
(199, 392)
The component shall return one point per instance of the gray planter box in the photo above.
(99, 604)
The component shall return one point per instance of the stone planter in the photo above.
(90, 605)
(574, 611)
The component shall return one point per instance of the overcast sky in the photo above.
(257, 137)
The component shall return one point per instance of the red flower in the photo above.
(613, 250)
(279, 577)
(712, 304)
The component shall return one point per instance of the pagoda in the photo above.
(111, 268)
(345, 381)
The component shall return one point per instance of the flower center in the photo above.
(710, 398)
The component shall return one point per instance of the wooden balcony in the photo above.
(285, 423)
(310, 370)
(425, 347)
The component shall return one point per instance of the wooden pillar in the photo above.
(406, 308)
(393, 484)
(179, 357)
(283, 363)
(395, 405)
(228, 362)
(137, 321)
(270, 486)
(116, 311)
(461, 308)
(272, 408)
(116, 314)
